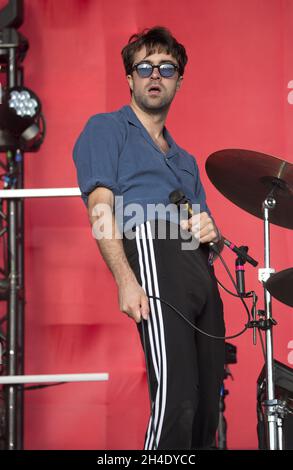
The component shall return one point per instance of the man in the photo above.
(130, 153)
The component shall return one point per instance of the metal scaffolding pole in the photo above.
(12, 320)
(13, 47)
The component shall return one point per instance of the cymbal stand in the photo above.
(271, 405)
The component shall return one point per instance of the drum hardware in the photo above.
(263, 186)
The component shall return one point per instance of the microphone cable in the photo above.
(183, 316)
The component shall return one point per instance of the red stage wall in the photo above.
(236, 93)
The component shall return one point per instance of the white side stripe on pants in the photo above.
(157, 341)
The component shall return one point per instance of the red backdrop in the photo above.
(236, 93)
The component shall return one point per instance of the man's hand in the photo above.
(203, 228)
(133, 300)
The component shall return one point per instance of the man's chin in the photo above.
(155, 107)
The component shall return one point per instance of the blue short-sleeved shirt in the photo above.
(115, 151)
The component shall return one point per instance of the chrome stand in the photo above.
(272, 407)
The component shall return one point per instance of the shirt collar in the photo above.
(133, 119)
(173, 150)
(131, 116)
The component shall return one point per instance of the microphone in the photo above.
(239, 268)
(178, 197)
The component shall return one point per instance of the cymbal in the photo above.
(280, 286)
(247, 177)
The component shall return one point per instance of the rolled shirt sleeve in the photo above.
(96, 155)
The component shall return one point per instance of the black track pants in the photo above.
(186, 368)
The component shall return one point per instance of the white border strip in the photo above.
(41, 192)
(22, 379)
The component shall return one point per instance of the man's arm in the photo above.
(132, 298)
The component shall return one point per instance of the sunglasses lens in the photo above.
(144, 70)
(167, 70)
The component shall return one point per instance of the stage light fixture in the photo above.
(22, 124)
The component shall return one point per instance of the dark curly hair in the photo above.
(156, 39)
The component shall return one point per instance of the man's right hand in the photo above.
(133, 300)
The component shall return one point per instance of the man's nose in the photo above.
(155, 73)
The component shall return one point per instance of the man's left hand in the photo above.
(203, 227)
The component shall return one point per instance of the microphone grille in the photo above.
(177, 197)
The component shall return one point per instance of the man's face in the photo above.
(153, 94)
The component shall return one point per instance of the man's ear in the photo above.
(179, 83)
(130, 81)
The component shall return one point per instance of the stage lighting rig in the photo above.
(11, 18)
(22, 124)
(22, 129)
